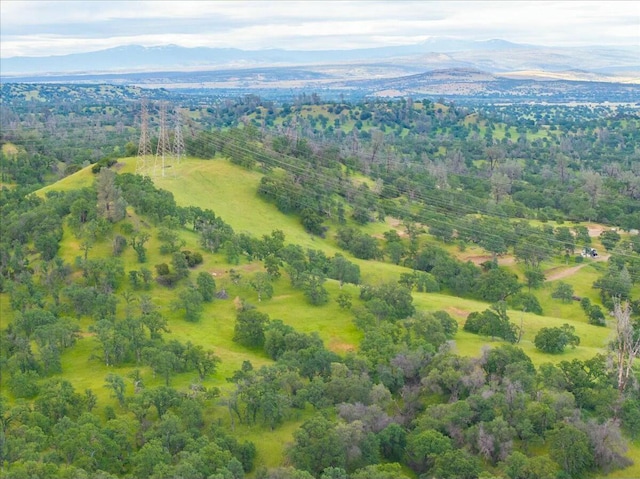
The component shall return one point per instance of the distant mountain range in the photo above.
(495, 56)
(331, 82)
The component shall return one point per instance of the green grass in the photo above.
(6, 313)
(333, 324)
(231, 192)
(271, 445)
(79, 179)
(593, 338)
(632, 471)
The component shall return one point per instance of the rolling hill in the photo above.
(230, 191)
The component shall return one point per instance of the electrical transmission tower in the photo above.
(144, 145)
(163, 153)
(178, 140)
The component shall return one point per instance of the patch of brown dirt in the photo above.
(396, 224)
(250, 267)
(458, 311)
(237, 302)
(247, 268)
(338, 346)
(595, 230)
(479, 259)
(281, 296)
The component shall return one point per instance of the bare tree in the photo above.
(111, 205)
(377, 142)
(626, 343)
(562, 165)
(494, 155)
(609, 447)
(500, 186)
(592, 185)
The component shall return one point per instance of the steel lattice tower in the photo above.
(178, 140)
(163, 153)
(144, 145)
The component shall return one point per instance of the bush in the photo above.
(492, 322)
(168, 280)
(630, 415)
(609, 239)
(554, 340)
(24, 385)
(119, 244)
(425, 282)
(193, 258)
(563, 292)
(449, 324)
(596, 316)
(103, 163)
(525, 302)
(249, 328)
(162, 269)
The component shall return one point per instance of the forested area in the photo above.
(178, 307)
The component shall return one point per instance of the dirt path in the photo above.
(553, 274)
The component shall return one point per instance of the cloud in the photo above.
(54, 27)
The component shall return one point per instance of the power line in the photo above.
(436, 202)
(329, 181)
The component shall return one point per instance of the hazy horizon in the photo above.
(47, 28)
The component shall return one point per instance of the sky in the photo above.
(43, 28)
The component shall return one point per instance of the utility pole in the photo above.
(144, 145)
(163, 153)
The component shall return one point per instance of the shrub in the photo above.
(119, 244)
(554, 340)
(193, 258)
(525, 302)
(162, 269)
(563, 292)
(596, 316)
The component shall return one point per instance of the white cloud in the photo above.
(59, 27)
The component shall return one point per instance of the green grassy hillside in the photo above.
(230, 192)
